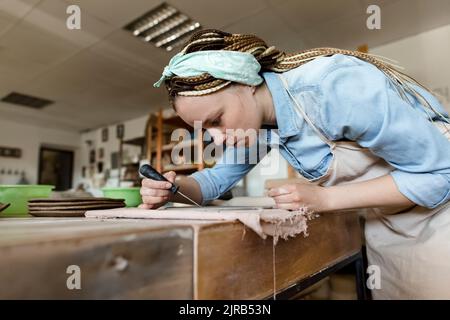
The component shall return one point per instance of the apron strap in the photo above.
(301, 113)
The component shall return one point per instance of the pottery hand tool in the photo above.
(4, 206)
(150, 173)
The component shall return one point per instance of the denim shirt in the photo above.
(349, 99)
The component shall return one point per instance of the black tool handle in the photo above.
(149, 172)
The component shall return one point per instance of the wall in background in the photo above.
(29, 139)
(425, 57)
(273, 166)
(93, 140)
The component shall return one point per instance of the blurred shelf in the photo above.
(139, 141)
(166, 147)
(186, 143)
(157, 149)
(170, 146)
(176, 121)
(130, 164)
(186, 167)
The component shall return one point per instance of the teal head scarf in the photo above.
(240, 67)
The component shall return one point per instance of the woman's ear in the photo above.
(253, 89)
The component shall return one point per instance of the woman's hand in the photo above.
(156, 193)
(297, 195)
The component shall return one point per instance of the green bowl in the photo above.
(18, 196)
(131, 195)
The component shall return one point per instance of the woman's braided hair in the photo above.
(272, 59)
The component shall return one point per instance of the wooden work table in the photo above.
(167, 259)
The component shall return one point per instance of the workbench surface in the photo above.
(163, 259)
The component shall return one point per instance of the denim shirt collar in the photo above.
(283, 106)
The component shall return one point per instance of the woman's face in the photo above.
(231, 108)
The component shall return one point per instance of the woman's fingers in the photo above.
(284, 194)
(280, 191)
(154, 200)
(154, 192)
(170, 176)
(145, 206)
(296, 196)
(286, 198)
(154, 184)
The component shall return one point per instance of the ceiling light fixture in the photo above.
(165, 27)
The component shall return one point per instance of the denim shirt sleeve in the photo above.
(234, 164)
(360, 104)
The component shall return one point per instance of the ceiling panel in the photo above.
(15, 70)
(37, 45)
(219, 14)
(422, 15)
(39, 118)
(17, 8)
(117, 13)
(307, 14)
(122, 47)
(42, 36)
(147, 99)
(50, 16)
(269, 27)
(348, 33)
(87, 72)
(67, 81)
(6, 21)
(327, 35)
(104, 96)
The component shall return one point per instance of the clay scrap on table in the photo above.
(265, 222)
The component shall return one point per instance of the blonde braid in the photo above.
(272, 59)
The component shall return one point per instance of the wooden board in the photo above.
(239, 266)
(164, 259)
(158, 260)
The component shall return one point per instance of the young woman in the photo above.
(372, 138)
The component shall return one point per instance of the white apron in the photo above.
(411, 246)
